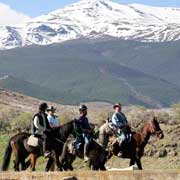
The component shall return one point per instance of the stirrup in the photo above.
(47, 154)
(120, 154)
(86, 159)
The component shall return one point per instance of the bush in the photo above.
(176, 110)
(4, 126)
(6, 114)
(65, 117)
(138, 116)
(22, 122)
(164, 117)
(103, 115)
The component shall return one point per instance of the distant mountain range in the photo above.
(102, 69)
(93, 19)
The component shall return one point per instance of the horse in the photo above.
(96, 153)
(134, 150)
(18, 145)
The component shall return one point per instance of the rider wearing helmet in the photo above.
(40, 125)
(86, 130)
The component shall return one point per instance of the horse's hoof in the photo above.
(59, 169)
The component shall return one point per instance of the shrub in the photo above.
(138, 116)
(6, 114)
(65, 117)
(176, 110)
(22, 122)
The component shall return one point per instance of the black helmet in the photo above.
(43, 106)
(82, 107)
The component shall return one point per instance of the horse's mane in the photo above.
(64, 129)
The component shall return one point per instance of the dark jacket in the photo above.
(42, 123)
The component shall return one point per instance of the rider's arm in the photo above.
(37, 124)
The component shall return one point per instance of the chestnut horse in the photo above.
(134, 150)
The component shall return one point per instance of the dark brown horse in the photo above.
(18, 145)
(97, 154)
(134, 150)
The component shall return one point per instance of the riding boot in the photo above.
(86, 147)
(120, 149)
(46, 148)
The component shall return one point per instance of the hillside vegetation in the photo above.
(104, 69)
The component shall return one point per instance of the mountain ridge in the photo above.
(92, 18)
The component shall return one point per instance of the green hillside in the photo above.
(96, 70)
(29, 89)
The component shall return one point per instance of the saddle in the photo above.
(117, 131)
(33, 141)
(33, 144)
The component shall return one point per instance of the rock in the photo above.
(70, 178)
(161, 153)
(172, 153)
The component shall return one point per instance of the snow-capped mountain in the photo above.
(96, 18)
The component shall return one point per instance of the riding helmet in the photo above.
(82, 107)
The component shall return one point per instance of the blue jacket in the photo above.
(83, 121)
(119, 119)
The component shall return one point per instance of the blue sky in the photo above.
(35, 8)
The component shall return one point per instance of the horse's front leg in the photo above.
(16, 164)
(138, 162)
(49, 164)
(132, 161)
(58, 164)
(23, 165)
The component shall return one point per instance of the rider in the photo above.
(86, 130)
(119, 121)
(40, 125)
(53, 122)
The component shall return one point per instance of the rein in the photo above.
(60, 141)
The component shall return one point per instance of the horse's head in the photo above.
(154, 128)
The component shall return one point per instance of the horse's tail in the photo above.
(7, 157)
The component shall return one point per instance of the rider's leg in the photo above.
(86, 147)
(46, 146)
(122, 138)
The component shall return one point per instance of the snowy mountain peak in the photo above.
(96, 18)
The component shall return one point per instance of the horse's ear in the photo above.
(155, 118)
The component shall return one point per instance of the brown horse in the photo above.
(134, 150)
(97, 154)
(18, 145)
